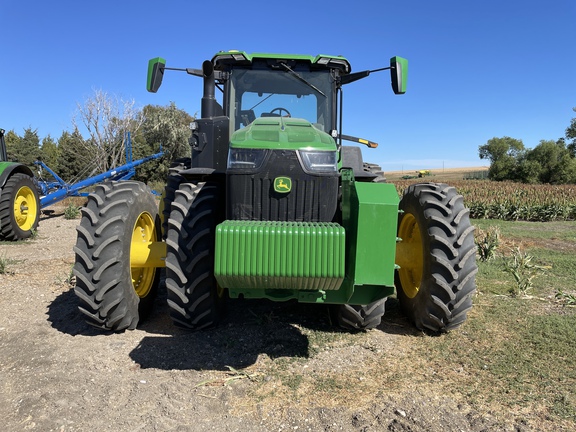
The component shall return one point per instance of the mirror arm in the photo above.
(347, 79)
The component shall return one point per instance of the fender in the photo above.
(9, 168)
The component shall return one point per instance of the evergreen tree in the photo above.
(12, 141)
(49, 152)
(75, 160)
(24, 150)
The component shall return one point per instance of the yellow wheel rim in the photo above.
(410, 255)
(143, 277)
(25, 208)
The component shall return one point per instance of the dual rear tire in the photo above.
(194, 297)
(437, 257)
(114, 294)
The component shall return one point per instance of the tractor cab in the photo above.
(260, 86)
(289, 86)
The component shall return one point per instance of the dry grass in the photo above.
(513, 358)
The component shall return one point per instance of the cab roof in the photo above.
(225, 59)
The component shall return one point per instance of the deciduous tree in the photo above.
(107, 119)
(166, 126)
(571, 135)
(503, 154)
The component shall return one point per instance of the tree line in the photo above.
(98, 138)
(552, 162)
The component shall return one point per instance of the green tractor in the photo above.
(19, 199)
(272, 205)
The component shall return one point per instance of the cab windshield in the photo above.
(280, 92)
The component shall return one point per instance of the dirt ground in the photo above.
(59, 374)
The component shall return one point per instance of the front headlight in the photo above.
(315, 161)
(246, 159)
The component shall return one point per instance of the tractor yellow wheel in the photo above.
(19, 207)
(25, 208)
(144, 232)
(412, 255)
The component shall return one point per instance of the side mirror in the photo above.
(399, 74)
(155, 74)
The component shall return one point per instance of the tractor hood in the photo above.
(282, 133)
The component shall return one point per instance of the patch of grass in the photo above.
(292, 381)
(68, 280)
(491, 279)
(5, 264)
(522, 230)
(562, 263)
(508, 356)
(516, 353)
(328, 384)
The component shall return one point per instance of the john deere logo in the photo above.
(282, 184)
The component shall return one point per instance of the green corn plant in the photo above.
(520, 266)
(487, 242)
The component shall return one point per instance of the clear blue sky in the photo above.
(478, 69)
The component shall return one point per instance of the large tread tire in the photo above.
(359, 317)
(19, 208)
(172, 185)
(375, 169)
(113, 295)
(436, 285)
(194, 298)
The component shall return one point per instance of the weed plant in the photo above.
(521, 267)
(72, 211)
(487, 242)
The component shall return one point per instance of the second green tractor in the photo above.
(272, 204)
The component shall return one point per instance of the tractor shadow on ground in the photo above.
(64, 316)
(250, 329)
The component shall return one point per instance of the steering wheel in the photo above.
(280, 110)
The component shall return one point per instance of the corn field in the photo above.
(513, 201)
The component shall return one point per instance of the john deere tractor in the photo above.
(271, 204)
(19, 200)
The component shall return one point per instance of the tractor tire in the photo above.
(375, 169)
(359, 317)
(172, 185)
(19, 208)
(194, 297)
(114, 295)
(437, 257)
